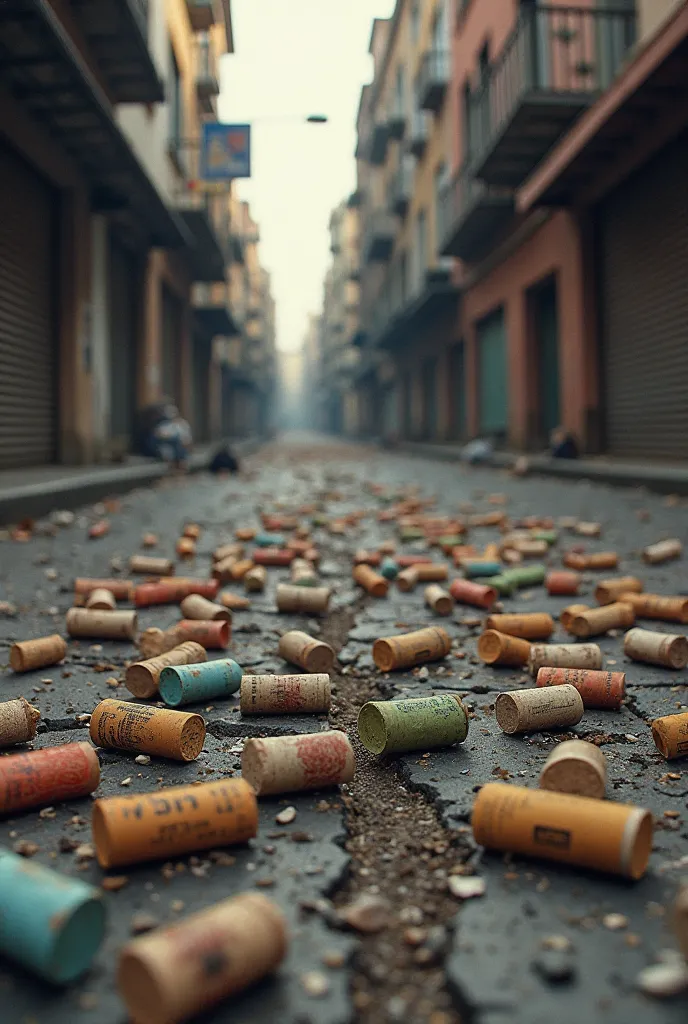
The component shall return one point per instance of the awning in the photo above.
(206, 258)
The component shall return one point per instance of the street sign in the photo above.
(225, 151)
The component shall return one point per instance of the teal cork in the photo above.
(389, 569)
(191, 684)
(480, 568)
(269, 540)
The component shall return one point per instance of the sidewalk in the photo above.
(665, 479)
(37, 491)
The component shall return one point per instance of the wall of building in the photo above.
(653, 13)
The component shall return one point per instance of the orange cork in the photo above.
(429, 572)
(235, 602)
(81, 622)
(462, 551)
(599, 560)
(439, 600)
(495, 648)
(609, 591)
(273, 556)
(680, 920)
(170, 822)
(255, 579)
(477, 594)
(599, 620)
(598, 834)
(670, 735)
(405, 561)
(101, 601)
(387, 547)
(143, 677)
(121, 590)
(598, 689)
(566, 615)
(529, 626)
(27, 655)
(284, 764)
(298, 545)
(564, 584)
(223, 571)
(409, 649)
(362, 557)
(175, 972)
(192, 530)
(371, 581)
(196, 607)
(210, 634)
(150, 566)
(657, 606)
(47, 776)
(240, 569)
(245, 533)
(99, 529)
(664, 551)
(232, 550)
(171, 591)
(178, 735)
(186, 547)
(149, 540)
(487, 519)
(407, 579)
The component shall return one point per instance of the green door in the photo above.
(492, 376)
(457, 377)
(547, 341)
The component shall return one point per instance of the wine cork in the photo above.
(172, 591)
(599, 620)
(462, 551)
(235, 602)
(47, 776)
(101, 625)
(143, 677)
(125, 726)
(438, 599)
(598, 834)
(27, 655)
(307, 600)
(371, 581)
(564, 584)
(269, 540)
(585, 529)
(211, 634)
(255, 579)
(362, 557)
(657, 606)
(53, 925)
(170, 822)
(389, 568)
(424, 723)
(525, 575)
(605, 690)
(151, 566)
(664, 551)
(609, 591)
(599, 560)
(477, 594)
(245, 533)
(285, 764)
(153, 642)
(487, 519)
(121, 590)
(101, 601)
(188, 684)
(232, 550)
(298, 546)
(670, 735)
(273, 524)
(479, 567)
(305, 651)
(302, 573)
(680, 920)
(274, 556)
(387, 547)
(196, 607)
(192, 530)
(149, 540)
(407, 579)
(536, 709)
(576, 767)
(186, 547)
(501, 584)
(406, 561)
(409, 649)
(567, 615)
(238, 570)
(564, 656)
(495, 648)
(549, 536)
(285, 695)
(531, 548)
(175, 972)
(99, 529)
(667, 649)
(18, 720)
(430, 572)
(223, 571)
(491, 552)
(529, 626)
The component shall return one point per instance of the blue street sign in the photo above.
(225, 151)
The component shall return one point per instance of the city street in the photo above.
(544, 942)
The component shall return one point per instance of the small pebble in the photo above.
(113, 883)
(142, 759)
(315, 984)
(286, 816)
(142, 922)
(466, 888)
(333, 958)
(615, 922)
(665, 979)
(366, 914)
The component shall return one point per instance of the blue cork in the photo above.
(190, 684)
(49, 923)
(389, 569)
(269, 540)
(478, 568)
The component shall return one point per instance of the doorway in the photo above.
(545, 321)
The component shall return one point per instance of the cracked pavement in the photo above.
(496, 968)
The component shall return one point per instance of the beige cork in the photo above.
(18, 721)
(101, 601)
(439, 600)
(598, 560)
(408, 578)
(430, 572)
(121, 590)
(143, 678)
(495, 648)
(27, 655)
(680, 920)
(584, 529)
(664, 551)
(101, 625)
(186, 547)
(371, 581)
(541, 708)
(658, 606)
(151, 566)
(669, 650)
(223, 571)
(284, 764)
(305, 651)
(529, 626)
(568, 614)
(564, 656)
(306, 600)
(255, 579)
(121, 725)
(302, 573)
(196, 607)
(575, 766)
(409, 649)
(177, 971)
(232, 550)
(609, 591)
(599, 620)
(531, 548)
(192, 530)
(235, 602)
(285, 695)
(153, 642)
(240, 569)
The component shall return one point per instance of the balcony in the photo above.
(206, 216)
(373, 145)
(116, 32)
(473, 215)
(396, 123)
(401, 188)
(553, 66)
(201, 14)
(433, 80)
(210, 303)
(378, 238)
(352, 268)
(206, 73)
(418, 133)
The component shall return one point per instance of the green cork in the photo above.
(525, 575)
(549, 536)
(394, 726)
(412, 533)
(450, 540)
(502, 585)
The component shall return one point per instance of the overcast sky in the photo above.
(294, 58)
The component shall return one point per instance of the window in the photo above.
(176, 102)
(420, 254)
(441, 175)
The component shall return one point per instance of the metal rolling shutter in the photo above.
(28, 363)
(643, 236)
(123, 350)
(171, 322)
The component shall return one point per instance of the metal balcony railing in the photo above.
(471, 215)
(419, 131)
(433, 80)
(401, 188)
(206, 71)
